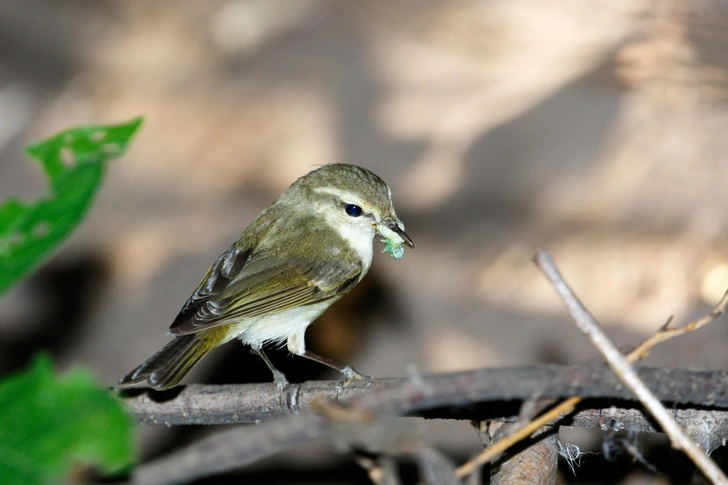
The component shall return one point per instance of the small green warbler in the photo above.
(298, 257)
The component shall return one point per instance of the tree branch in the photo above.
(454, 395)
(237, 447)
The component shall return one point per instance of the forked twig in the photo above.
(567, 406)
(623, 368)
(666, 333)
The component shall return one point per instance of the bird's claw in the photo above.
(280, 381)
(350, 375)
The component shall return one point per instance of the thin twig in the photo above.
(666, 333)
(382, 470)
(517, 436)
(567, 406)
(622, 367)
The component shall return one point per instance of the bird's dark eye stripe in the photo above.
(352, 210)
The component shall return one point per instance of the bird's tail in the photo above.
(168, 367)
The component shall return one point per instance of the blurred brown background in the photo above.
(595, 129)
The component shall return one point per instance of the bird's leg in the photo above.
(278, 377)
(347, 370)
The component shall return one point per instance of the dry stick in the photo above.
(460, 395)
(567, 406)
(622, 367)
(538, 461)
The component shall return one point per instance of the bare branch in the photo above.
(562, 409)
(666, 333)
(230, 450)
(622, 367)
(453, 395)
(535, 464)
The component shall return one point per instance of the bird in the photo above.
(299, 256)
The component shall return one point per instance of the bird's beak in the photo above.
(394, 225)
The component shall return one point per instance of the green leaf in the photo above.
(75, 161)
(49, 423)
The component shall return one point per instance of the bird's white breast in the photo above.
(277, 328)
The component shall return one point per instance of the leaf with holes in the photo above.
(75, 162)
(52, 427)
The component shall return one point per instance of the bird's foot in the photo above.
(279, 379)
(350, 375)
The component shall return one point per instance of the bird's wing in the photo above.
(243, 285)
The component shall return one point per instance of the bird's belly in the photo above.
(278, 327)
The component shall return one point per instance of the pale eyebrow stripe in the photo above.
(344, 195)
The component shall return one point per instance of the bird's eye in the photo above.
(352, 210)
